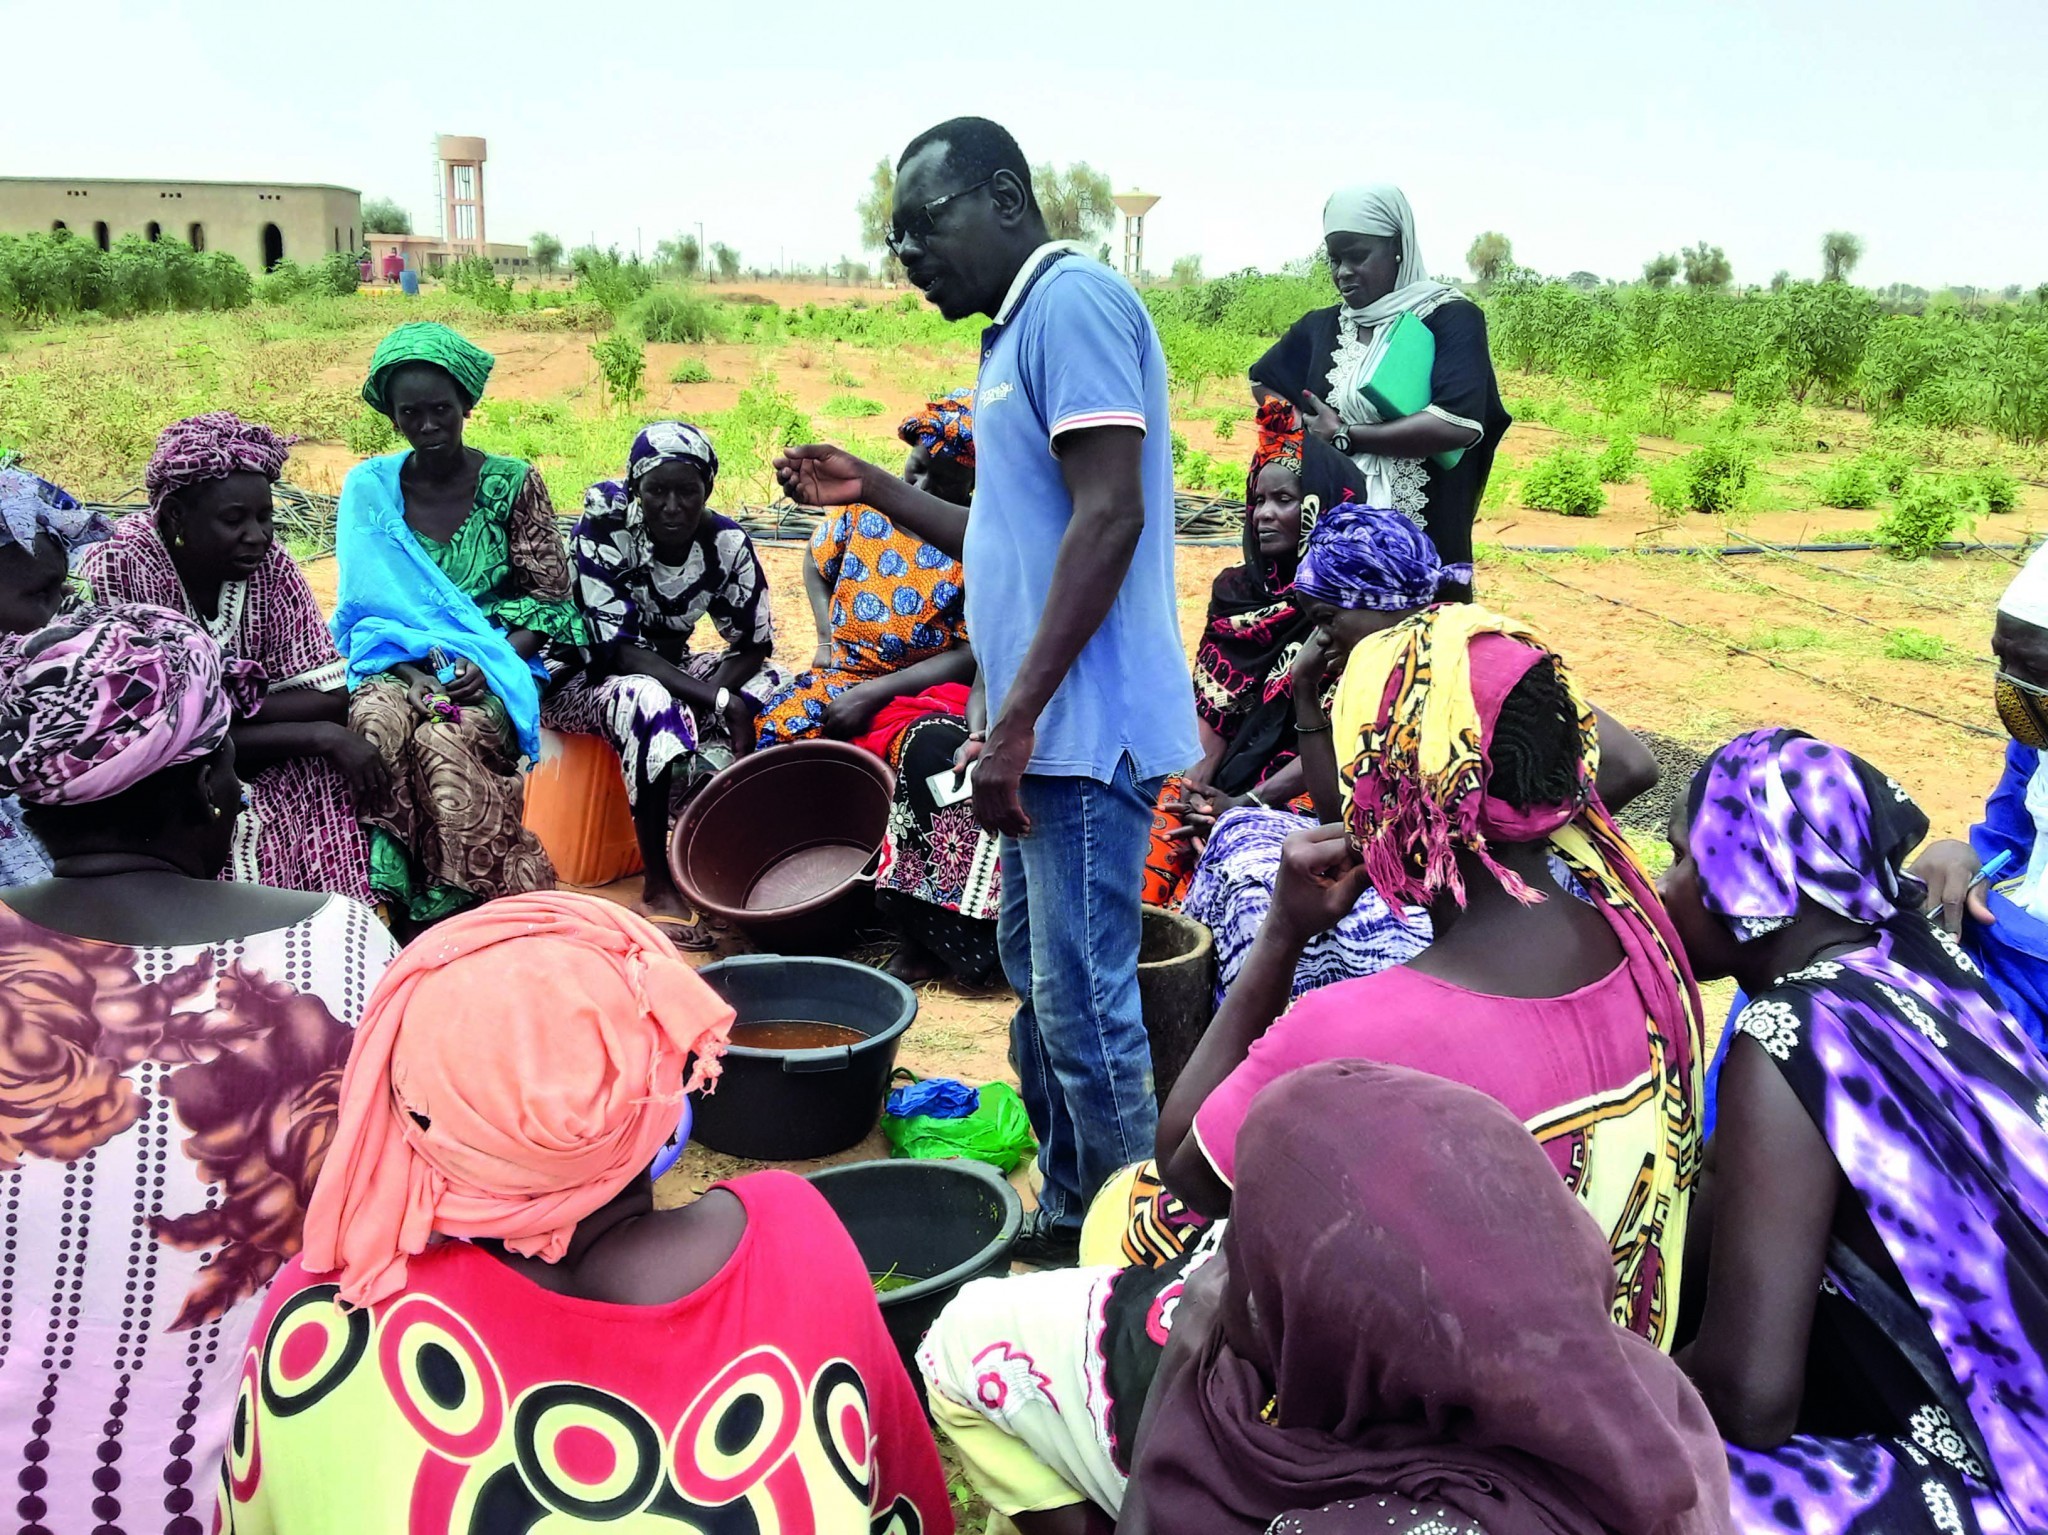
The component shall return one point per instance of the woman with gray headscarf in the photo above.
(1369, 233)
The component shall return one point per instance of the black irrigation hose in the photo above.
(1784, 666)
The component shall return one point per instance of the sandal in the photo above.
(691, 936)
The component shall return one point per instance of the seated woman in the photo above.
(1470, 783)
(1473, 769)
(174, 1044)
(208, 550)
(1434, 463)
(42, 530)
(2003, 921)
(1407, 1330)
(1258, 624)
(651, 560)
(889, 608)
(551, 1349)
(1872, 1231)
(453, 578)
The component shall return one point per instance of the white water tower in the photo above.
(1134, 206)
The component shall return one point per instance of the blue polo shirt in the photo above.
(1073, 348)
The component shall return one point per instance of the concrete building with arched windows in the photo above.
(262, 222)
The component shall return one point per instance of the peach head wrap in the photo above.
(516, 1067)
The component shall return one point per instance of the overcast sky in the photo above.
(1593, 132)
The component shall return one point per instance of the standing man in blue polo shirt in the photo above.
(1084, 691)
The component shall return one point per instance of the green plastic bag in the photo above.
(998, 1132)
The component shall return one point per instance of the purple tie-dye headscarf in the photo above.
(212, 447)
(104, 697)
(1777, 814)
(31, 506)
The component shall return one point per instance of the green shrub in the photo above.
(339, 273)
(850, 405)
(368, 433)
(1890, 467)
(283, 283)
(1914, 645)
(763, 422)
(1196, 471)
(1930, 510)
(676, 314)
(622, 364)
(1616, 463)
(1712, 479)
(1764, 385)
(1851, 486)
(1228, 479)
(604, 277)
(476, 280)
(1997, 487)
(689, 370)
(1227, 423)
(1565, 481)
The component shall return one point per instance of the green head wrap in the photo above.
(425, 341)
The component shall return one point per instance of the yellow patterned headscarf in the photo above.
(1414, 721)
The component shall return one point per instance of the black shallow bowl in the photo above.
(787, 1105)
(939, 1223)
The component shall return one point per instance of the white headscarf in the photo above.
(2027, 598)
(1380, 209)
(1383, 210)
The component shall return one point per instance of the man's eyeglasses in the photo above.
(923, 221)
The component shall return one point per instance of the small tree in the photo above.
(1585, 282)
(1187, 270)
(1839, 253)
(726, 259)
(1076, 202)
(1659, 270)
(1491, 257)
(876, 208)
(1780, 279)
(679, 255)
(382, 216)
(1706, 266)
(547, 252)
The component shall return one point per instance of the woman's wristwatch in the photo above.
(720, 703)
(1342, 441)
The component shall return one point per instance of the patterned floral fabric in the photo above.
(1936, 1107)
(299, 830)
(941, 874)
(101, 699)
(896, 601)
(1232, 890)
(448, 831)
(164, 1114)
(631, 599)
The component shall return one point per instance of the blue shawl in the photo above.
(396, 604)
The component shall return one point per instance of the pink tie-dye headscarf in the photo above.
(104, 697)
(212, 447)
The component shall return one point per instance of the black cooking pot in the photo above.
(786, 1105)
(936, 1223)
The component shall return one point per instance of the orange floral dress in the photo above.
(896, 601)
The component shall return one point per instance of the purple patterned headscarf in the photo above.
(31, 506)
(1777, 814)
(1364, 558)
(103, 698)
(212, 447)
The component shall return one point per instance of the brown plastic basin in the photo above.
(784, 842)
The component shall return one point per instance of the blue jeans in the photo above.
(1068, 933)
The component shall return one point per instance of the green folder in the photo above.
(1397, 371)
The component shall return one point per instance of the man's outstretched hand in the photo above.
(820, 474)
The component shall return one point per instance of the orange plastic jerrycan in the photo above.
(576, 805)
